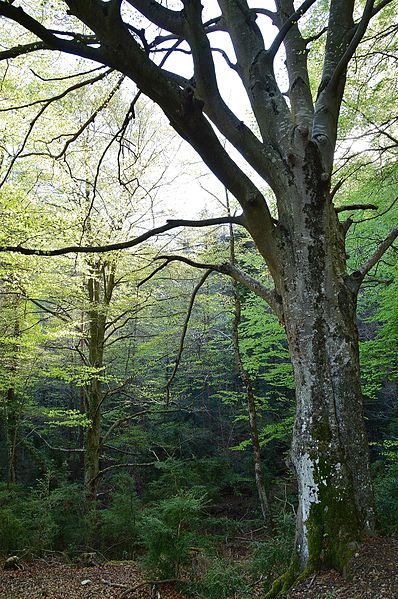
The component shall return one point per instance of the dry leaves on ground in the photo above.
(40, 580)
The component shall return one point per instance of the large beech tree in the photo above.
(292, 149)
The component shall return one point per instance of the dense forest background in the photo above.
(146, 409)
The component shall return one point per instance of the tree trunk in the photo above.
(93, 439)
(12, 407)
(100, 287)
(329, 449)
(93, 395)
(251, 403)
(12, 436)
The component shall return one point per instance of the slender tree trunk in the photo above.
(251, 408)
(93, 394)
(251, 403)
(11, 405)
(93, 439)
(12, 436)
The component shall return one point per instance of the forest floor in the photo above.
(374, 575)
(39, 580)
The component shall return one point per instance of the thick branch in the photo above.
(327, 107)
(256, 72)
(356, 39)
(165, 18)
(356, 207)
(369, 12)
(171, 224)
(296, 60)
(288, 24)
(18, 15)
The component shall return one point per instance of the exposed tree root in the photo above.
(285, 582)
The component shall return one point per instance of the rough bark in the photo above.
(329, 450)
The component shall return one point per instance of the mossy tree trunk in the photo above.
(329, 450)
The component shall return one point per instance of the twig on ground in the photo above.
(127, 592)
(114, 584)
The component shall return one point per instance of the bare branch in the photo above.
(184, 332)
(23, 49)
(48, 310)
(18, 15)
(358, 276)
(43, 109)
(120, 421)
(316, 36)
(101, 473)
(150, 583)
(264, 11)
(64, 449)
(65, 77)
(92, 118)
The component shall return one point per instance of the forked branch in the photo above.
(269, 295)
(288, 24)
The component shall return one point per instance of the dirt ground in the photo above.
(374, 575)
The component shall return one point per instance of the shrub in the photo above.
(69, 510)
(168, 531)
(26, 523)
(119, 526)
